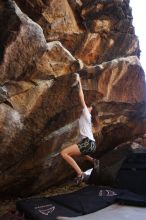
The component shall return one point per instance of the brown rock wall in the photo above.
(39, 107)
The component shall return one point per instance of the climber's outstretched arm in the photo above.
(81, 94)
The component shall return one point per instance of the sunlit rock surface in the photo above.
(119, 80)
(42, 44)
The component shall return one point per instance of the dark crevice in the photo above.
(31, 8)
(9, 104)
(9, 28)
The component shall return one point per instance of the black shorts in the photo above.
(87, 146)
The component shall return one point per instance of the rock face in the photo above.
(42, 44)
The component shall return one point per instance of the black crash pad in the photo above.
(81, 202)
(88, 199)
(43, 209)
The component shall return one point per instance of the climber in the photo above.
(87, 145)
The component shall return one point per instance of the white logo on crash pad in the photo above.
(45, 209)
(107, 192)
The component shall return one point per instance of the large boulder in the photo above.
(39, 107)
(36, 97)
(118, 91)
(91, 30)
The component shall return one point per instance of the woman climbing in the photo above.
(87, 145)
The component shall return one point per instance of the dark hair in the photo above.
(94, 114)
